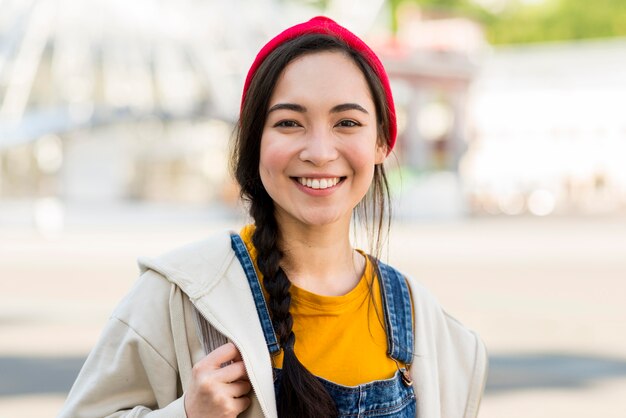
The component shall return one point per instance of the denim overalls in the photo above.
(393, 397)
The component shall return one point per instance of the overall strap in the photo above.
(398, 313)
(255, 286)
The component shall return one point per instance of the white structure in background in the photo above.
(95, 94)
(69, 63)
(549, 130)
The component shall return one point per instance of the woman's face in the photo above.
(319, 143)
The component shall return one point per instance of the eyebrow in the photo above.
(287, 106)
(301, 109)
(348, 106)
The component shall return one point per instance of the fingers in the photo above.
(215, 390)
(222, 354)
(239, 389)
(232, 372)
(212, 368)
(241, 404)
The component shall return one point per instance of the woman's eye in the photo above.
(348, 123)
(287, 124)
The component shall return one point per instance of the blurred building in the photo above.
(432, 62)
(106, 100)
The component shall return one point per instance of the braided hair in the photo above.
(300, 393)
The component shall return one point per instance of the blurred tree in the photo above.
(558, 20)
(523, 21)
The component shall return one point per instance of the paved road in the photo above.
(545, 294)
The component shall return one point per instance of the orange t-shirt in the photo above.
(339, 338)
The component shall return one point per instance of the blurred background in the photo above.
(508, 180)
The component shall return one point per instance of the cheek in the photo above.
(362, 159)
(363, 162)
(273, 158)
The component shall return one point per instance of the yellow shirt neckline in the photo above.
(334, 304)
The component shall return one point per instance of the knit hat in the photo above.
(326, 26)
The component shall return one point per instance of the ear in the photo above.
(381, 153)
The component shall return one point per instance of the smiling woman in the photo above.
(286, 318)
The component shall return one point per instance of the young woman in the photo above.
(286, 318)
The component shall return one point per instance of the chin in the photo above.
(318, 219)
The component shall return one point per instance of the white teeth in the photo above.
(318, 183)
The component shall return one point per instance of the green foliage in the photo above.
(562, 20)
(550, 20)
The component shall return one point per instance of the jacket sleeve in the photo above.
(472, 364)
(450, 363)
(132, 370)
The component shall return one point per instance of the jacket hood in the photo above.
(194, 267)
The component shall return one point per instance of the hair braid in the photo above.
(300, 393)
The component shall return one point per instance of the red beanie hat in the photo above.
(326, 26)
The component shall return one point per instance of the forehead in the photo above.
(322, 78)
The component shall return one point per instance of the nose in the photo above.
(319, 148)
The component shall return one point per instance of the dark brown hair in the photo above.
(300, 394)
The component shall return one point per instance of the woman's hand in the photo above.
(217, 391)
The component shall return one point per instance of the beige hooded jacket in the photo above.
(142, 363)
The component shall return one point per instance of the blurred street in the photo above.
(546, 295)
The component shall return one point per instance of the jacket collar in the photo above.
(209, 273)
(196, 267)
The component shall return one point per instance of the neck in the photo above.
(321, 259)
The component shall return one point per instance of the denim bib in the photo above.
(393, 397)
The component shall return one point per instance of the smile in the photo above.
(318, 183)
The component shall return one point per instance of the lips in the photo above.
(318, 183)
